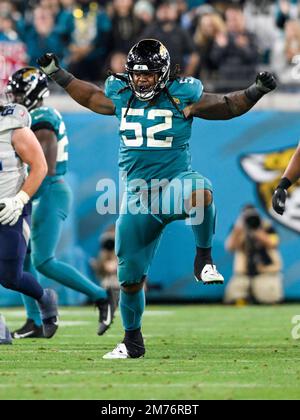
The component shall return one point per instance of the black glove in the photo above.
(279, 200)
(280, 196)
(265, 82)
(49, 63)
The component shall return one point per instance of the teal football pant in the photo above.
(138, 236)
(49, 213)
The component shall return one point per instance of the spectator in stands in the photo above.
(235, 54)
(285, 58)
(7, 28)
(117, 62)
(257, 262)
(91, 41)
(178, 41)
(286, 10)
(7, 8)
(40, 36)
(68, 5)
(209, 27)
(260, 20)
(144, 11)
(63, 20)
(12, 49)
(126, 26)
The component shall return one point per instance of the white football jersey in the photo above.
(13, 171)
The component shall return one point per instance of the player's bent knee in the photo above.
(10, 275)
(208, 198)
(45, 267)
(133, 288)
(201, 197)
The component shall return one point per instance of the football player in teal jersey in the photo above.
(156, 111)
(51, 203)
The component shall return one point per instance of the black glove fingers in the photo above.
(279, 200)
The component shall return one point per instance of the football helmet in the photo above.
(148, 56)
(28, 86)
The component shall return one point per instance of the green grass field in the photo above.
(194, 352)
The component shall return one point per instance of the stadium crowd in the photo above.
(222, 42)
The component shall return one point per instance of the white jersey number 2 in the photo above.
(62, 154)
(138, 139)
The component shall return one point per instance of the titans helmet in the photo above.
(148, 56)
(28, 86)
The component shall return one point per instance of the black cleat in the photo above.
(49, 313)
(29, 330)
(135, 350)
(132, 347)
(50, 326)
(106, 309)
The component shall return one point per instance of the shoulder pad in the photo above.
(113, 85)
(45, 114)
(15, 116)
(190, 88)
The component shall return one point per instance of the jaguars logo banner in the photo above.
(266, 170)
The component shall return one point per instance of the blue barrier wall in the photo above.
(217, 149)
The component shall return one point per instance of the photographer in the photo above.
(105, 264)
(257, 263)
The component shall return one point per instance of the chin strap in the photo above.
(129, 103)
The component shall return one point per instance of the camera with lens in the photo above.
(107, 240)
(108, 244)
(252, 219)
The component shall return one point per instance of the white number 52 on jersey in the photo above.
(151, 131)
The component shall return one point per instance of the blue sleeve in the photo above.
(112, 87)
(191, 88)
(197, 90)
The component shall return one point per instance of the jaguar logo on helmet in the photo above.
(163, 50)
(149, 56)
(30, 72)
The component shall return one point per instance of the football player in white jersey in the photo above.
(18, 148)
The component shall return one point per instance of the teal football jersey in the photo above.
(51, 119)
(154, 136)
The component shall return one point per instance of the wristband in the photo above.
(62, 77)
(23, 196)
(285, 184)
(253, 93)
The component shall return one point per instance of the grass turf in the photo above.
(193, 352)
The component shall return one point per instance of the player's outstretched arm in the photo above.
(84, 93)
(292, 172)
(291, 175)
(231, 105)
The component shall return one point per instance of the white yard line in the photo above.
(12, 313)
(177, 385)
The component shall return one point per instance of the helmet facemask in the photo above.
(147, 94)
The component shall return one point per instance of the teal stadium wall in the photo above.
(217, 148)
